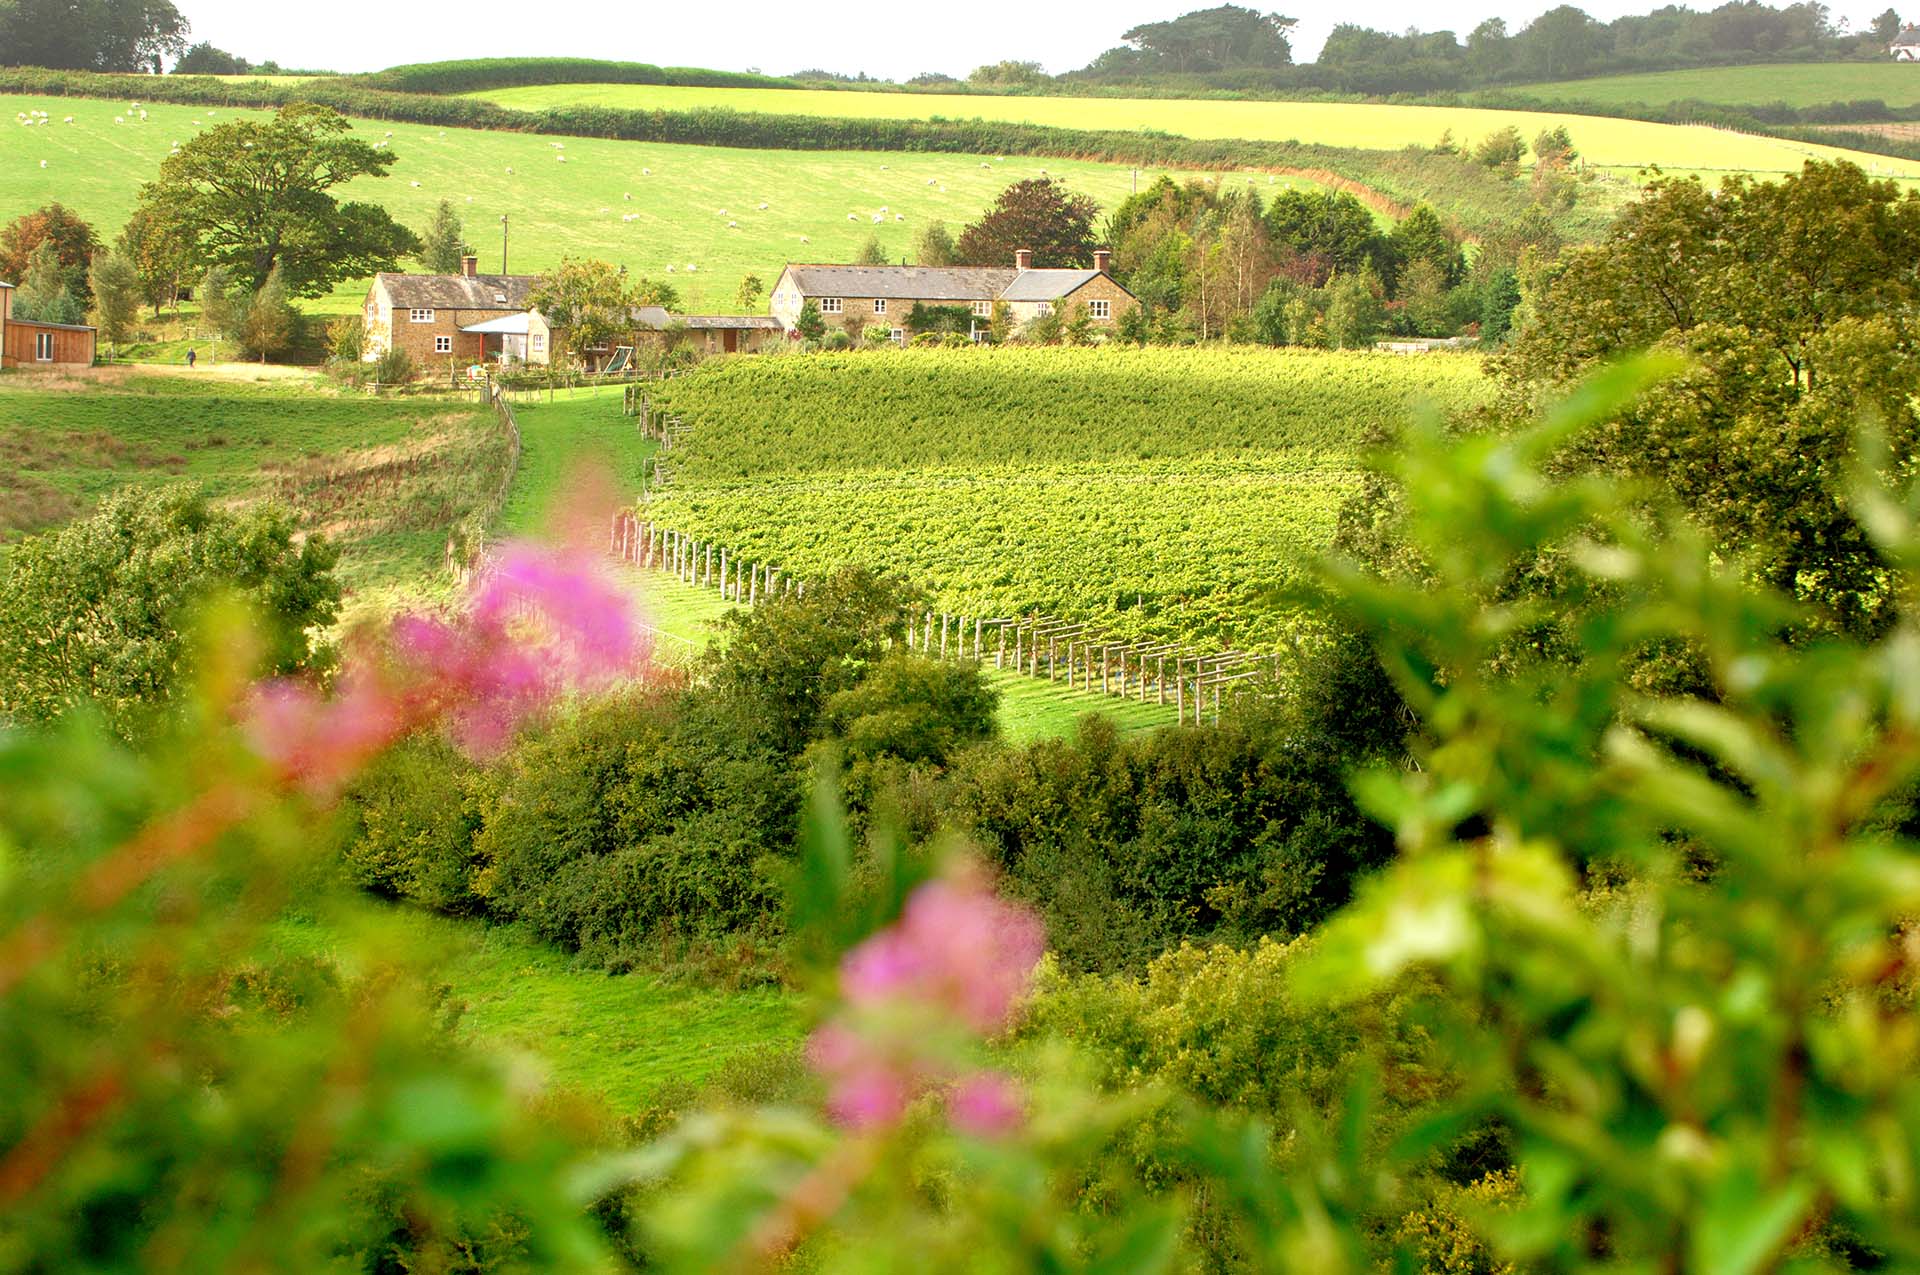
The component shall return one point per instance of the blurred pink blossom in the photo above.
(958, 945)
(537, 625)
(986, 1104)
(959, 953)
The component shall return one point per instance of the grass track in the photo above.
(96, 167)
(1609, 143)
(1795, 83)
(619, 1037)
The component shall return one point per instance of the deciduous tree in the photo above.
(256, 194)
(73, 240)
(1038, 213)
(116, 295)
(269, 323)
(47, 292)
(588, 303)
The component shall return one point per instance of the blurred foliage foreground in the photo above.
(1654, 948)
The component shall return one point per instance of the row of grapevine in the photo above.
(1169, 674)
(1163, 495)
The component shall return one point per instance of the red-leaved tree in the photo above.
(1040, 214)
(72, 238)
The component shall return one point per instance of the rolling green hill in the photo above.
(1796, 84)
(820, 206)
(1607, 143)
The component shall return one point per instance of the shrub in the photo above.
(393, 368)
(412, 820)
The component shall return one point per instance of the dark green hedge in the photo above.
(472, 75)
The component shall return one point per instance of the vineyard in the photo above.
(1160, 494)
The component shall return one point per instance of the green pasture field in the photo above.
(620, 1038)
(1158, 493)
(578, 207)
(1606, 143)
(384, 479)
(1794, 83)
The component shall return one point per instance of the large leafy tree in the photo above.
(1038, 213)
(204, 59)
(1794, 304)
(1217, 39)
(256, 194)
(162, 250)
(587, 302)
(98, 611)
(1328, 226)
(91, 35)
(72, 239)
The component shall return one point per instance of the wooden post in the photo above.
(1106, 670)
(1179, 690)
(978, 658)
(1159, 682)
(723, 575)
(706, 575)
(944, 617)
(1000, 654)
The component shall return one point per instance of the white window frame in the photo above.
(1100, 309)
(1045, 307)
(420, 315)
(443, 345)
(879, 305)
(983, 309)
(539, 343)
(899, 336)
(43, 347)
(831, 305)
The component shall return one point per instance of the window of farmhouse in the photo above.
(880, 306)
(829, 305)
(420, 316)
(443, 345)
(983, 308)
(43, 347)
(539, 340)
(1100, 309)
(1045, 307)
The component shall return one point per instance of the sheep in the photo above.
(606, 210)
(804, 239)
(43, 163)
(878, 218)
(143, 115)
(733, 225)
(389, 132)
(628, 196)
(853, 216)
(646, 172)
(763, 207)
(691, 268)
(669, 269)
(561, 158)
(67, 120)
(509, 170)
(723, 212)
(899, 216)
(415, 185)
(119, 119)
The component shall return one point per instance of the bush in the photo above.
(393, 368)
(411, 822)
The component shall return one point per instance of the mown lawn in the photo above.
(1610, 143)
(618, 1037)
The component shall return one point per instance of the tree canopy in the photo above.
(587, 302)
(1038, 213)
(1219, 39)
(91, 35)
(98, 610)
(256, 194)
(72, 239)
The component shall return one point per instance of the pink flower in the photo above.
(986, 1104)
(319, 743)
(959, 953)
(957, 945)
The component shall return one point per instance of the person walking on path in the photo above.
(190, 358)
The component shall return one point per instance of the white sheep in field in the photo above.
(389, 132)
(67, 120)
(606, 210)
(628, 196)
(561, 158)
(43, 163)
(804, 239)
(646, 172)
(415, 185)
(509, 170)
(877, 219)
(853, 216)
(692, 269)
(763, 207)
(143, 115)
(723, 212)
(899, 216)
(119, 119)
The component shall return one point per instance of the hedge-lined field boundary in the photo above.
(472, 75)
(1472, 197)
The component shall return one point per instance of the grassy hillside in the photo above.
(1796, 84)
(383, 479)
(1610, 143)
(1168, 493)
(577, 207)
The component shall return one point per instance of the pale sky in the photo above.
(889, 41)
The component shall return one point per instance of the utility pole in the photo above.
(503, 243)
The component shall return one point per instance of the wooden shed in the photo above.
(25, 343)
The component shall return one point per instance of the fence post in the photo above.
(1180, 690)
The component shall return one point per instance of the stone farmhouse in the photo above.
(439, 317)
(1906, 45)
(883, 295)
(25, 343)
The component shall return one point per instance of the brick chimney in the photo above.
(1023, 258)
(1100, 259)
(470, 266)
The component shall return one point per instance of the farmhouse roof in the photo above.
(459, 291)
(657, 318)
(42, 323)
(905, 283)
(1047, 285)
(1909, 36)
(5, 285)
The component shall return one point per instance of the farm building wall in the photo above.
(25, 342)
(1099, 288)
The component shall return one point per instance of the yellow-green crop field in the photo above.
(649, 207)
(1795, 83)
(1607, 143)
(1160, 493)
